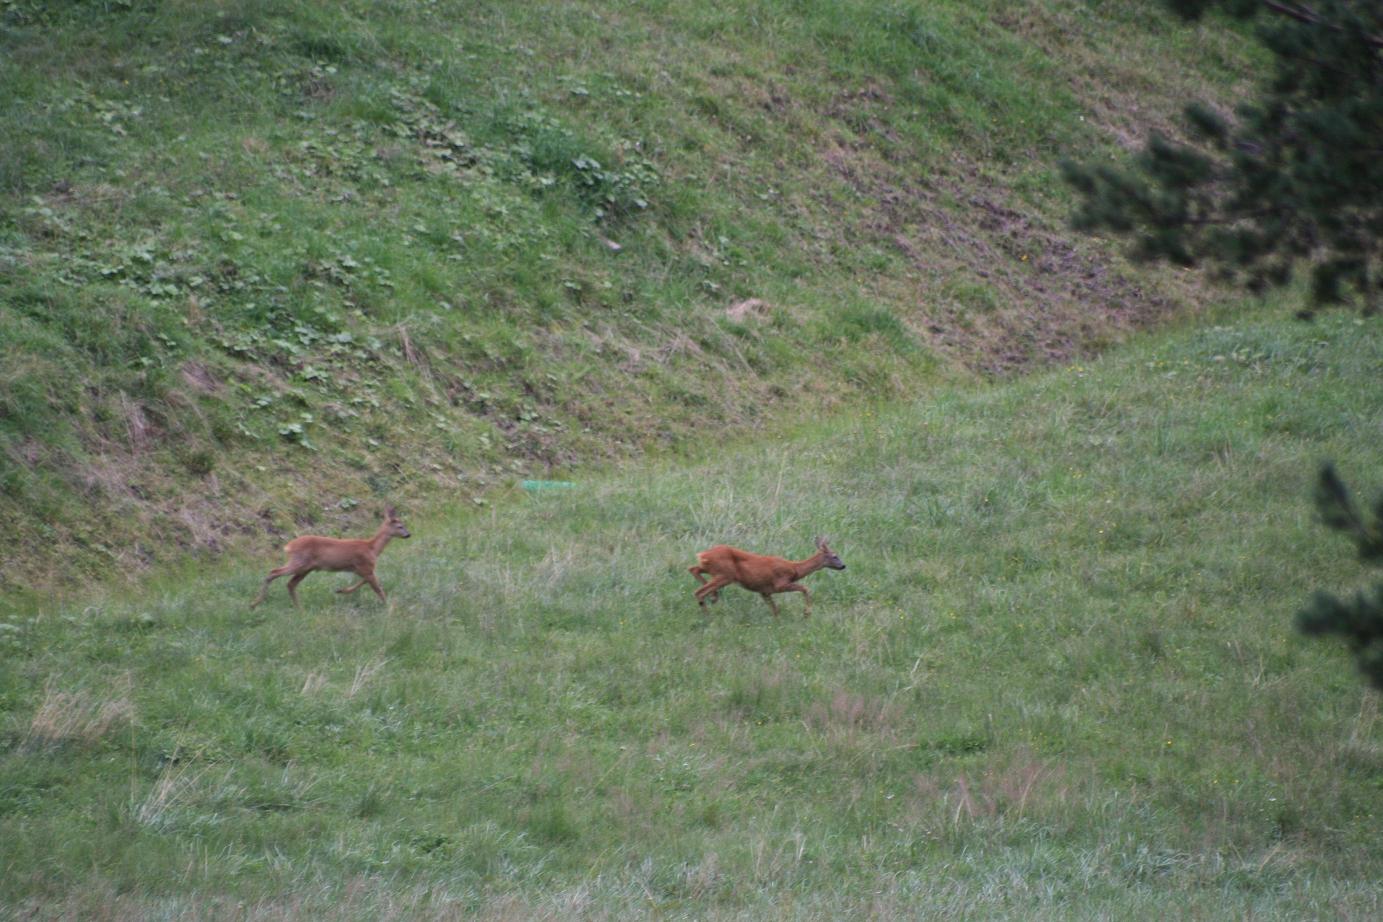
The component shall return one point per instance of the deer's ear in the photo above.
(391, 512)
(820, 542)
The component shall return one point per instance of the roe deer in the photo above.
(313, 552)
(757, 573)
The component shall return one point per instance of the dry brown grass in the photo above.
(360, 898)
(363, 675)
(172, 787)
(76, 718)
(848, 716)
(1009, 791)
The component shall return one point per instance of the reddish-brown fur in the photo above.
(313, 552)
(757, 573)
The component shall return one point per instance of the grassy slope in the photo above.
(1056, 681)
(265, 265)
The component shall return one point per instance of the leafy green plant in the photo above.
(1358, 621)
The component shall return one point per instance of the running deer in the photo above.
(757, 573)
(313, 552)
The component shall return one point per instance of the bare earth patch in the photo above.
(996, 287)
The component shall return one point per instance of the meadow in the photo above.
(1058, 680)
(745, 273)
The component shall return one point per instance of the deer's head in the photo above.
(395, 524)
(828, 556)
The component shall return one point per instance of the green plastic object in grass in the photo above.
(544, 486)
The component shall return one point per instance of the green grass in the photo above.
(266, 266)
(263, 261)
(1057, 680)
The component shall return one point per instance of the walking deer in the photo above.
(757, 573)
(313, 552)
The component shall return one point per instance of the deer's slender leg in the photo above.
(374, 584)
(773, 606)
(711, 588)
(293, 586)
(273, 575)
(699, 572)
(349, 589)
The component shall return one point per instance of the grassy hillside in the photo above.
(265, 265)
(1056, 681)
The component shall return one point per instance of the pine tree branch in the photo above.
(1304, 14)
(1338, 512)
(1298, 13)
(1227, 219)
(1290, 182)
